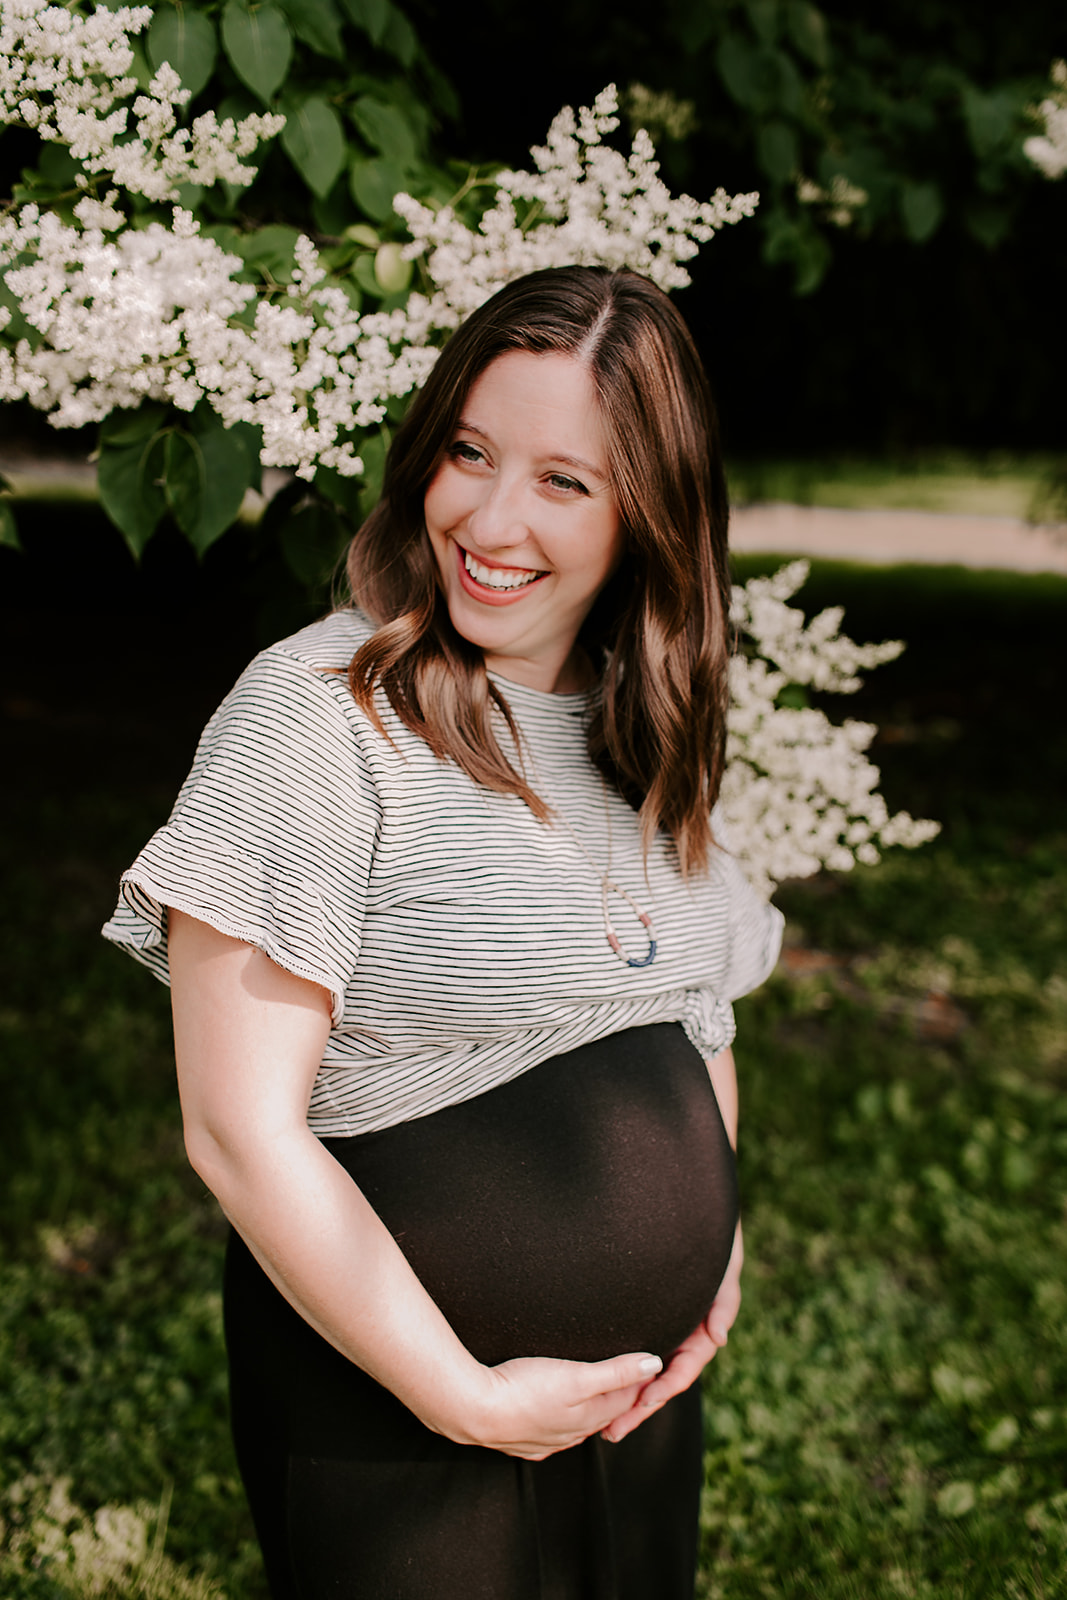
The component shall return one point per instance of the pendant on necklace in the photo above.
(608, 887)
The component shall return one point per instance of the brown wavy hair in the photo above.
(658, 630)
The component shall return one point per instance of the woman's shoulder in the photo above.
(298, 683)
(329, 644)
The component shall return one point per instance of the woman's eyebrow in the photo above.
(567, 461)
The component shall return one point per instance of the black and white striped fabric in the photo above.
(461, 940)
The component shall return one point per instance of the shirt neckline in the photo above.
(574, 703)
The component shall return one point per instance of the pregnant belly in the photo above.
(583, 1210)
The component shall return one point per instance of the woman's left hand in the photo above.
(692, 1355)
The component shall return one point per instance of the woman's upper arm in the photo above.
(248, 1041)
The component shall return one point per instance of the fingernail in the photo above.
(650, 1365)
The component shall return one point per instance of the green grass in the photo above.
(997, 485)
(890, 1416)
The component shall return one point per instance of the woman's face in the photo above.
(522, 518)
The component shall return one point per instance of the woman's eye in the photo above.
(559, 480)
(462, 451)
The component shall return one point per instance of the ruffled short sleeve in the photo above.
(272, 837)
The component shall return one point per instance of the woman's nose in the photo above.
(499, 521)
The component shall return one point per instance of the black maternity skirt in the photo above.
(585, 1210)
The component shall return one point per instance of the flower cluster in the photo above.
(840, 202)
(585, 204)
(113, 308)
(153, 314)
(308, 372)
(1049, 150)
(799, 793)
(121, 315)
(64, 75)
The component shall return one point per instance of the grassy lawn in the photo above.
(997, 485)
(890, 1417)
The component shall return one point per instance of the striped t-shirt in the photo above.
(461, 940)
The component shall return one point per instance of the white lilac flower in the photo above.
(799, 792)
(1048, 150)
(66, 76)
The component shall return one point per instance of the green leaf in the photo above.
(140, 66)
(363, 273)
(386, 128)
(811, 262)
(921, 208)
(391, 269)
(259, 45)
(314, 141)
(17, 326)
(800, 244)
(129, 492)
(736, 61)
(442, 94)
(313, 541)
(989, 224)
(185, 38)
(332, 213)
(763, 14)
(340, 491)
(776, 145)
(270, 251)
(206, 478)
(807, 28)
(373, 450)
(370, 15)
(58, 166)
(399, 38)
(374, 183)
(123, 428)
(991, 119)
(363, 233)
(9, 533)
(794, 696)
(230, 470)
(759, 78)
(243, 435)
(318, 24)
(185, 480)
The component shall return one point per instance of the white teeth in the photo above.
(498, 577)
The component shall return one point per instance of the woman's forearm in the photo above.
(723, 1075)
(327, 1251)
(248, 1041)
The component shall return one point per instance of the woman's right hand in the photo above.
(536, 1406)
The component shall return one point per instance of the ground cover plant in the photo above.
(888, 1418)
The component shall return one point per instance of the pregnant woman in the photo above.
(452, 932)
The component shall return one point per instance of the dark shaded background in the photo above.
(903, 347)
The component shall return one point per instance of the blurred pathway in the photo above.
(885, 538)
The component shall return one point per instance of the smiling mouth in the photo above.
(499, 578)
